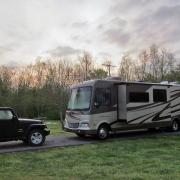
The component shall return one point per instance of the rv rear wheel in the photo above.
(175, 126)
(103, 132)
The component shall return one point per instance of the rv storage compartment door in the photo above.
(121, 109)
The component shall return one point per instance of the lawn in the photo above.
(56, 128)
(143, 158)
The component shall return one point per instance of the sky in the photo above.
(105, 28)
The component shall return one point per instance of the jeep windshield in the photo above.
(80, 98)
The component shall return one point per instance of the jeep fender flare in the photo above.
(34, 126)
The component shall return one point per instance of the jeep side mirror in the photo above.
(14, 117)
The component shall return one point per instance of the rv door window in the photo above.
(159, 95)
(103, 96)
(137, 97)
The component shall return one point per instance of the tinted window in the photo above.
(103, 96)
(159, 95)
(138, 97)
(6, 115)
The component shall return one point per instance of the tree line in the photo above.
(154, 65)
(42, 89)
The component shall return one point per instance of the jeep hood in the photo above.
(30, 121)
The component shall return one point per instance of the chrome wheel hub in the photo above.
(102, 133)
(36, 138)
(175, 126)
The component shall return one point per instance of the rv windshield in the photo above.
(80, 98)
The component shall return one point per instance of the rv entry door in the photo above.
(121, 105)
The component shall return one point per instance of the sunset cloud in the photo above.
(63, 51)
(60, 28)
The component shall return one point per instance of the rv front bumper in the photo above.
(81, 131)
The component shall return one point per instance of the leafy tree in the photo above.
(98, 74)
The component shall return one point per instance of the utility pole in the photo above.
(86, 69)
(109, 66)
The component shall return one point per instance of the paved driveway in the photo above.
(63, 141)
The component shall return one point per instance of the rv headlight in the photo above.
(84, 125)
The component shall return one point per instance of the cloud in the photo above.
(168, 13)
(114, 22)
(111, 26)
(12, 64)
(118, 22)
(113, 31)
(161, 26)
(4, 50)
(104, 54)
(80, 24)
(145, 23)
(63, 51)
(126, 6)
(117, 36)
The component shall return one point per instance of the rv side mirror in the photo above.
(96, 104)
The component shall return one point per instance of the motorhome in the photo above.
(100, 107)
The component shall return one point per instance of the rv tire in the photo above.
(175, 126)
(103, 132)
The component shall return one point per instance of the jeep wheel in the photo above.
(36, 137)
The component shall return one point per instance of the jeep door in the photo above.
(8, 126)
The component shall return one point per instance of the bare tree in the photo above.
(126, 68)
(155, 61)
(86, 63)
(141, 68)
(167, 61)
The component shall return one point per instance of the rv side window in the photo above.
(159, 95)
(103, 96)
(138, 97)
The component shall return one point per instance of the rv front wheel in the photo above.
(103, 132)
(175, 126)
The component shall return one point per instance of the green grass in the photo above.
(144, 158)
(56, 128)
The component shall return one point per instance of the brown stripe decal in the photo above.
(174, 95)
(175, 105)
(175, 110)
(142, 107)
(156, 116)
(139, 117)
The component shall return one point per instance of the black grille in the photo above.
(73, 125)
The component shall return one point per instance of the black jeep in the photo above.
(12, 128)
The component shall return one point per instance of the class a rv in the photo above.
(100, 107)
